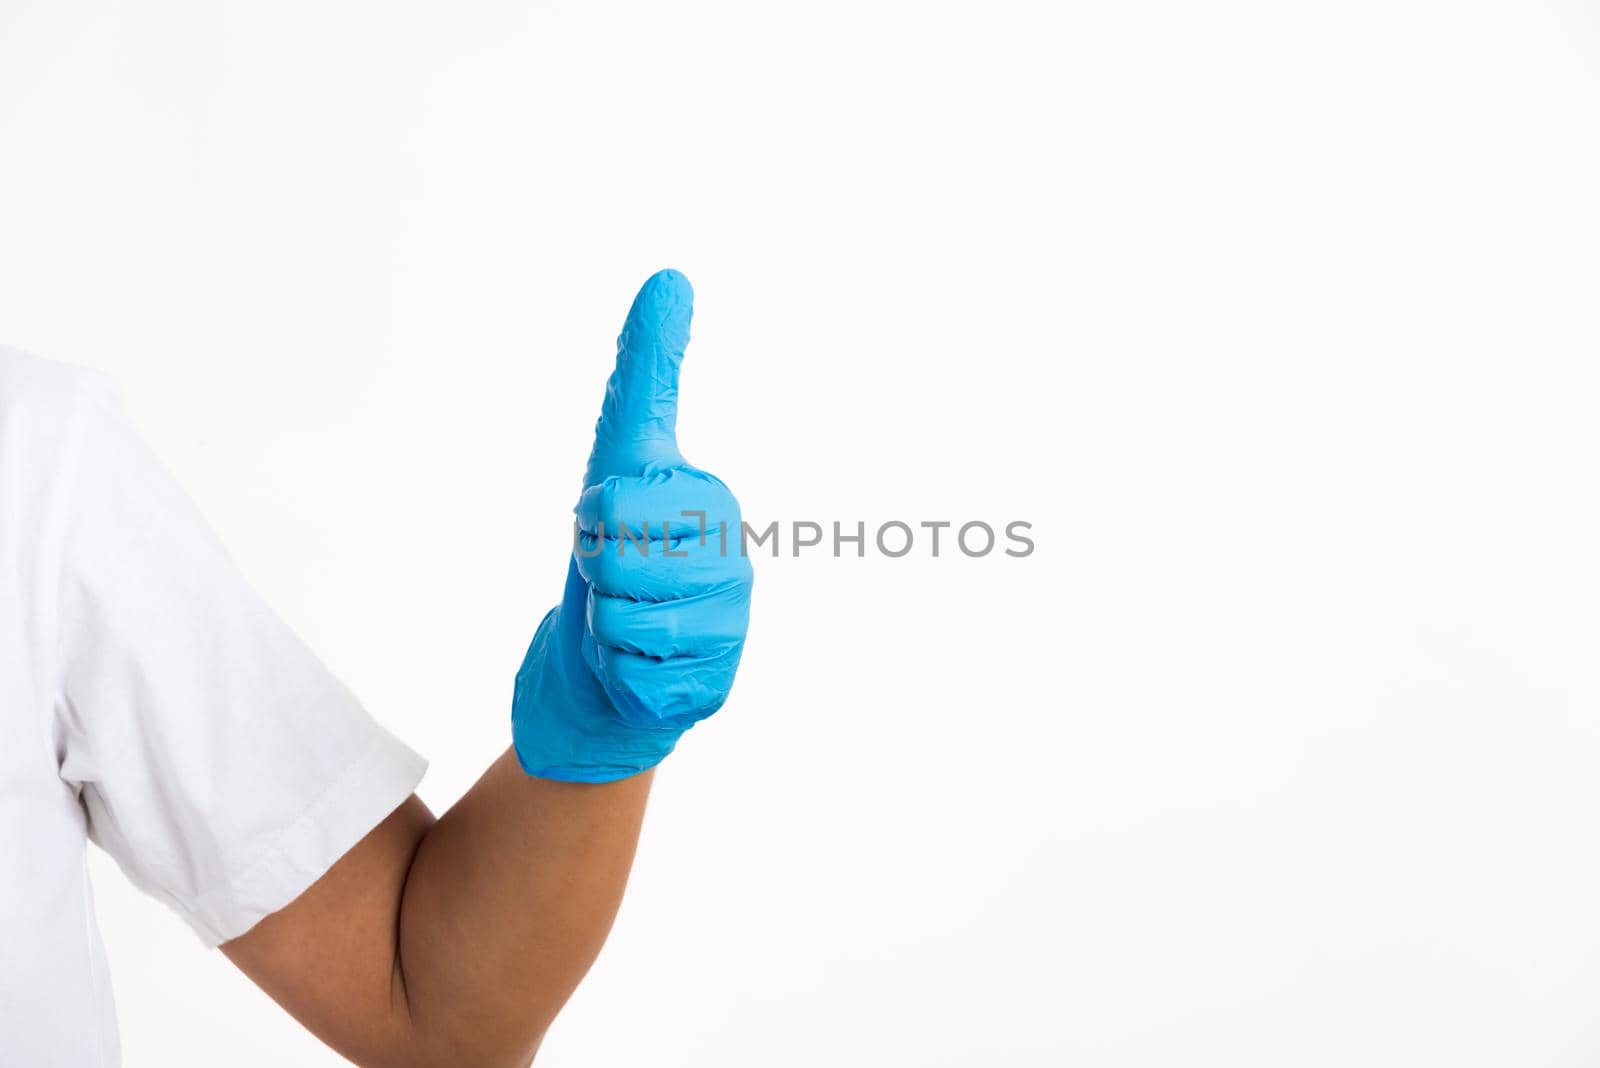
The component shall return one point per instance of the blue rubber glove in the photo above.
(648, 634)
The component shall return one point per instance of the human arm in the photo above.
(457, 942)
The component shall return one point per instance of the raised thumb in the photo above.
(637, 431)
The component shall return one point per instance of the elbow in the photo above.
(470, 1044)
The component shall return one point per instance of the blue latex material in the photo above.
(647, 638)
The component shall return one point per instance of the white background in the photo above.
(1278, 321)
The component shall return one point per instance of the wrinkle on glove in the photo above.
(652, 621)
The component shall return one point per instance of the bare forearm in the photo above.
(454, 941)
(507, 902)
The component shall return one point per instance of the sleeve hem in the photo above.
(368, 790)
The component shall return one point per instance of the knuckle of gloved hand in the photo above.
(601, 617)
(665, 691)
(604, 508)
(633, 626)
(606, 504)
(604, 571)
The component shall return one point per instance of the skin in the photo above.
(455, 941)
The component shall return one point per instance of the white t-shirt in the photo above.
(152, 703)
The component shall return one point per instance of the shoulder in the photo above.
(32, 387)
(52, 415)
(50, 411)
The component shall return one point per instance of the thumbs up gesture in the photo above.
(647, 638)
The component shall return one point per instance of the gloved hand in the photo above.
(648, 634)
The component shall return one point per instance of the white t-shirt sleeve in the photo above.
(220, 762)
